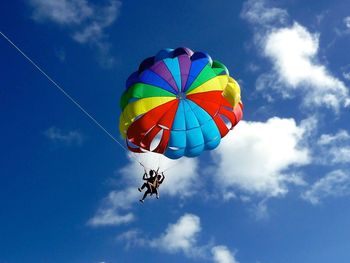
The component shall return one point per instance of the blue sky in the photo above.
(275, 190)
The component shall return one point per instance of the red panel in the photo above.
(215, 105)
(142, 131)
(147, 121)
(238, 110)
(210, 96)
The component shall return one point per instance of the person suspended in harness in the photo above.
(153, 181)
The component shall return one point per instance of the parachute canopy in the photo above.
(179, 103)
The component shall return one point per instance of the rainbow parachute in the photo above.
(179, 103)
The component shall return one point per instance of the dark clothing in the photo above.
(146, 193)
(152, 184)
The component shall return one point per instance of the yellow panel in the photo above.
(232, 92)
(230, 88)
(136, 108)
(217, 83)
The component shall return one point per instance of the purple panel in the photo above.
(146, 64)
(188, 51)
(162, 70)
(182, 50)
(185, 65)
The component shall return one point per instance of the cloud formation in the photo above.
(256, 12)
(180, 237)
(293, 52)
(67, 138)
(335, 148)
(221, 254)
(86, 22)
(114, 209)
(334, 184)
(339, 137)
(63, 12)
(257, 156)
(347, 21)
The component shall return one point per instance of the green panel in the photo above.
(206, 74)
(141, 90)
(219, 65)
(219, 71)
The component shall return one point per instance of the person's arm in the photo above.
(144, 176)
(162, 179)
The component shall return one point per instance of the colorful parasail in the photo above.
(179, 103)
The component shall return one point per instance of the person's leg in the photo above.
(150, 188)
(142, 187)
(155, 191)
(145, 195)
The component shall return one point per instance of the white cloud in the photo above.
(180, 236)
(86, 21)
(180, 181)
(341, 154)
(334, 184)
(62, 11)
(339, 137)
(346, 75)
(68, 138)
(346, 70)
(256, 12)
(132, 238)
(335, 148)
(260, 210)
(105, 18)
(115, 208)
(343, 29)
(221, 254)
(256, 156)
(293, 51)
(347, 21)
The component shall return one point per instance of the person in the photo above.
(157, 182)
(153, 180)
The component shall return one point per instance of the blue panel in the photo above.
(212, 144)
(194, 137)
(201, 114)
(151, 78)
(177, 139)
(191, 119)
(179, 120)
(187, 106)
(196, 67)
(132, 79)
(195, 151)
(174, 68)
(200, 55)
(174, 154)
(210, 131)
(164, 53)
(193, 131)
